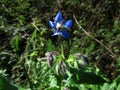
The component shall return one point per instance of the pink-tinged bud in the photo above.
(66, 88)
(61, 68)
(50, 57)
(83, 59)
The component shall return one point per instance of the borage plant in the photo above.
(59, 27)
(71, 70)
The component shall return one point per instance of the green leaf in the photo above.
(17, 42)
(50, 46)
(117, 80)
(118, 88)
(53, 81)
(79, 77)
(113, 86)
(34, 53)
(105, 86)
(5, 85)
(34, 34)
(70, 59)
(90, 48)
(53, 88)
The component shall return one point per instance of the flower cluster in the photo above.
(60, 26)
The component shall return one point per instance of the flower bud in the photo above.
(83, 59)
(50, 57)
(61, 68)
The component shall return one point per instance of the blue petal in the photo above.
(64, 34)
(55, 32)
(68, 24)
(52, 24)
(58, 17)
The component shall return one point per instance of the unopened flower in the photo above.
(83, 59)
(61, 68)
(66, 88)
(60, 26)
(50, 57)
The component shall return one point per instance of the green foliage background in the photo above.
(25, 38)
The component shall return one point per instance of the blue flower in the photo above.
(60, 26)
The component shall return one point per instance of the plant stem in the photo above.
(62, 50)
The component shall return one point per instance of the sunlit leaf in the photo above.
(53, 81)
